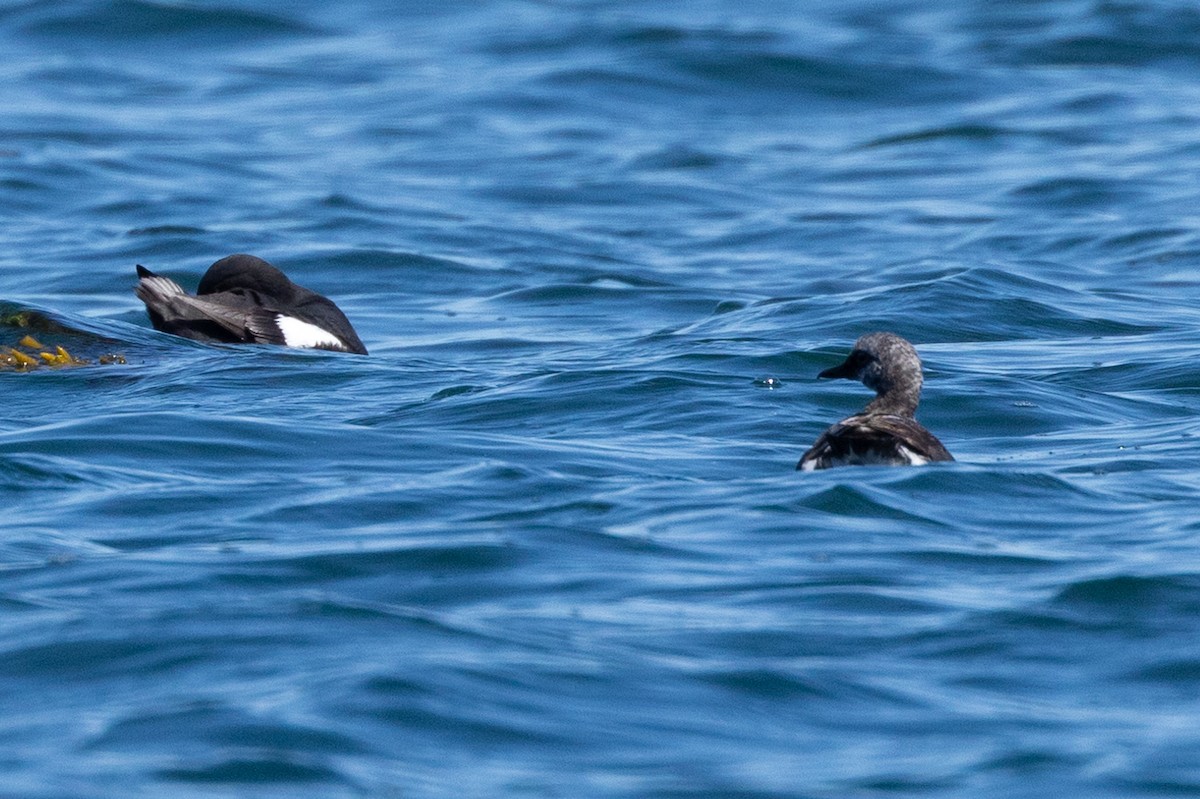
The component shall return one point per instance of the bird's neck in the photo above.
(899, 398)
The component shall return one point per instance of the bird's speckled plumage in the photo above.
(885, 432)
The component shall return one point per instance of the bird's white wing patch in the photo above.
(298, 333)
(913, 458)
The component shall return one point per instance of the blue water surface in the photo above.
(547, 540)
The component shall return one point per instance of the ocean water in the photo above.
(547, 540)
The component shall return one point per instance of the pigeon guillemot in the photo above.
(885, 433)
(244, 300)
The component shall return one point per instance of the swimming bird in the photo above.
(243, 299)
(885, 432)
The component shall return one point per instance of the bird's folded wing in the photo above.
(166, 298)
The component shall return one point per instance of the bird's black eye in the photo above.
(861, 359)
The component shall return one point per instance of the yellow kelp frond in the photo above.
(15, 359)
(30, 353)
(61, 358)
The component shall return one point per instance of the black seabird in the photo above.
(885, 433)
(244, 300)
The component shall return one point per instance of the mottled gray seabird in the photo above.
(885, 432)
(244, 300)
